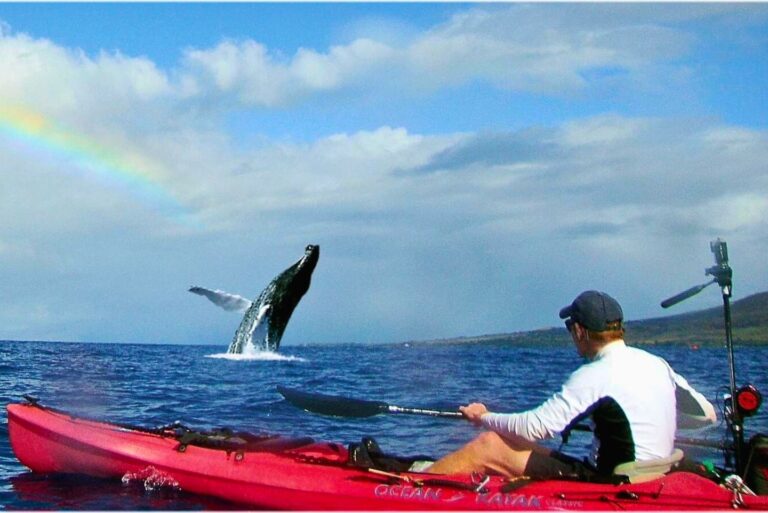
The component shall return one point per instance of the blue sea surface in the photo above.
(153, 385)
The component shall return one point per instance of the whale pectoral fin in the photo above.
(229, 302)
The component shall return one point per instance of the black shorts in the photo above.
(558, 465)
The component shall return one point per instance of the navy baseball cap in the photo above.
(594, 310)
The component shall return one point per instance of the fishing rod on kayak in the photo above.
(746, 400)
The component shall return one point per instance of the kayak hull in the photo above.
(298, 475)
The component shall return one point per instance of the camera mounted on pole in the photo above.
(721, 272)
(742, 402)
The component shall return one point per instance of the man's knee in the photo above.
(499, 455)
(488, 441)
(492, 441)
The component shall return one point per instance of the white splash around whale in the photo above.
(253, 354)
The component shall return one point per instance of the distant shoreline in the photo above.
(559, 337)
(703, 328)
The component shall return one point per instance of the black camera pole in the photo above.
(722, 274)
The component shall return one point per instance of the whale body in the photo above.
(267, 316)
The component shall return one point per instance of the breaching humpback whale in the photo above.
(266, 318)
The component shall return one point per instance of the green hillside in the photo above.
(749, 325)
(705, 327)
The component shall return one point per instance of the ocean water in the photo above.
(153, 385)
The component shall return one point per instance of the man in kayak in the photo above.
(633, 399)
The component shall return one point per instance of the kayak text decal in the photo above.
(425, 493)
(519, 500)
(510, 499)
(496, 499)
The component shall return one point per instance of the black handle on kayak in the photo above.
(347, 407)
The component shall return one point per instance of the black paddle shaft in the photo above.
(339, 406)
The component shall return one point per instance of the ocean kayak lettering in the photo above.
(519, 500)
(407, 492)
(510, 499)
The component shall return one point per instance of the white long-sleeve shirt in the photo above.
(632, 398)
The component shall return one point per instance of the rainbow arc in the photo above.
(131, 174)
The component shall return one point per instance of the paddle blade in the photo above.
(331, 404)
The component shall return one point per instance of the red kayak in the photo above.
(275, 472)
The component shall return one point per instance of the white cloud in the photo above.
(744, 211)
(344, 172)
(341, 64)
(600, 186)
(409, 221)
(248, 71)
(539, 49)
(104, 87)
(557, 50)
(602, 130)
(245, 70)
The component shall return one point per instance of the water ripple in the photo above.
(155, 385)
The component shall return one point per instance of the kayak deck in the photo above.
(288, 473)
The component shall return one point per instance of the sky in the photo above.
(466, 168)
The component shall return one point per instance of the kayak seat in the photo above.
(641, 471)
(367, 454)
